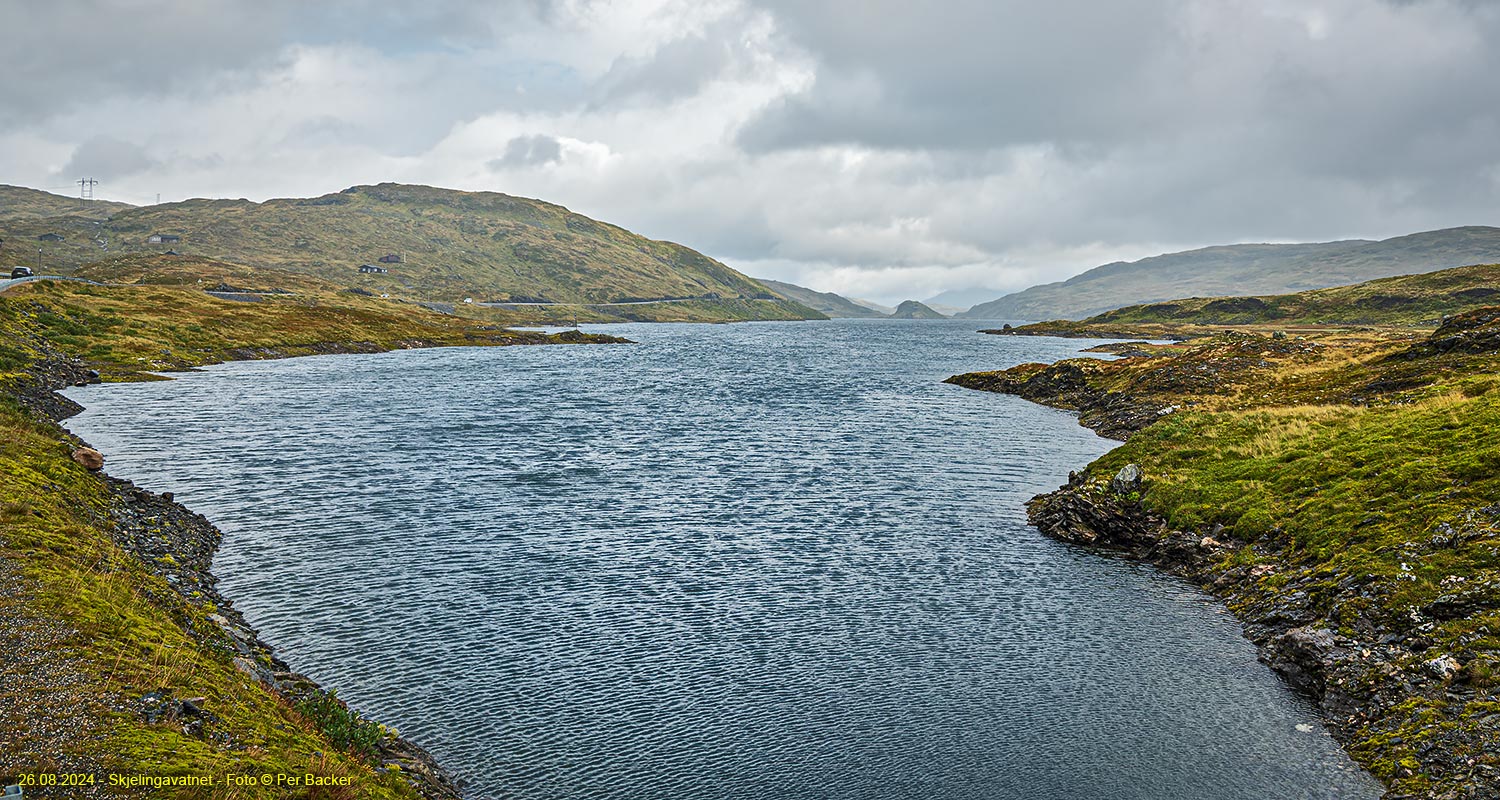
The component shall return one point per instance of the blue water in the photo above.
(751, 561)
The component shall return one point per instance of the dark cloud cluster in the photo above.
(528, 151)
(867, 146)
(107, 158)
(1185, 121)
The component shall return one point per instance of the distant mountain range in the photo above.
(1424, 300)
(960, 299)
(827, 302)
(444, 245)
(1244, 269)
(885, 311)
(838, 306)
(410, 241)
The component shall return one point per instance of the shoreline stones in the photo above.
(89, 458)
(178, 545)
(1364, 674)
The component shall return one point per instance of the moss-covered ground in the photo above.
(1355, 476)
(131, 635)
(162, 317)
(126, 636)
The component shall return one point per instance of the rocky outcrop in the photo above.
(1066, 385)
(1363, 673)
(178, 545)
(1118, 398)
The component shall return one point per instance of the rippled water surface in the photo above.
(735, 561)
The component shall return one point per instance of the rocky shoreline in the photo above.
(1371, 675)
(1355, 680)
(178, 545)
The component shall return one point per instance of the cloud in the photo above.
(882, 149)
(528, 151)
(63, 56)
(107, 158)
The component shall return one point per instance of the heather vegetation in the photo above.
(1337, 483)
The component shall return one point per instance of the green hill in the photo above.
(21, 203)
(450, 244)
(1244, 269)
(834, 305)
(911, 309)
(1420, 301)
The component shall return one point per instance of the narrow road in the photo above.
(7, 283)
(600, 305)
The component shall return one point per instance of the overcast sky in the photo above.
(878, 149)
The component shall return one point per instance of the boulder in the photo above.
(1304, 657)
(1443, 667)
(89, 458)
(1127, 480)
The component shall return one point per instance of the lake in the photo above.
(754, 561)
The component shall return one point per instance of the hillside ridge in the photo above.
(1422, 300)
(1244, 269)
(834, 305)
(420, 242)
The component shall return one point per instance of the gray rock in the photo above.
(1442, 667)
(1127, 480)
(1304, 656)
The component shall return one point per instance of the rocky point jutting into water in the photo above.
(1336, 488)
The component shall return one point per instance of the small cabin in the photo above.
(371, 269)
(390, 258)
(50, 237)
(163, 238)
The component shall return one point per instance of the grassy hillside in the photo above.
(833, 305)
(1411, 301)
(1244, 269)
(1339, 491)
(21, 203)
(169, 321)
(453, 245)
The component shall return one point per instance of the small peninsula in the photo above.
(1325, 463)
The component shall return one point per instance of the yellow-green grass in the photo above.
(1400, 499)
(452, 245)
(1401, 302)
(1357, 471)
(129, 331)
(132, 637)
